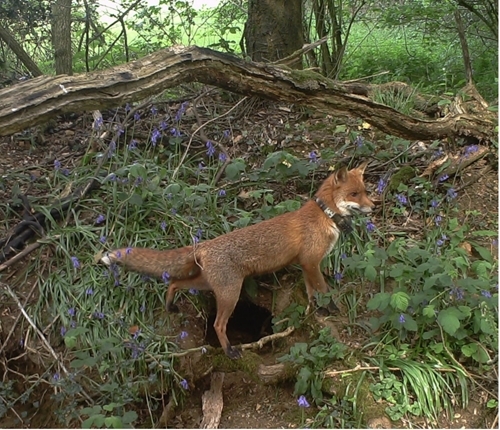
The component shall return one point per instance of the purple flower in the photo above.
(63, 330)
(184, 384)
(370, 226)
(71, 312)
(165, 277)
(443, 177)
(154, 111)
(65, 172)
(437, 153)
(112, 177)
(471, 149)
(111, 148)
(210, 149)
(438, 219)
(128, 251)
(359, 141)
(56, 376)
(434, 203)
(132, 145)
(142, 308)
(127, 107)
(181, 111)
(226, 133)
(402, 319)
(197, 236)
(89, 291)
(222, 157)
(458, 293)
(98, 123)
(451, 193)
(183, 335)
(163, 225)
(440, 242)
(302, 402)
(401, 198)
(343, 256)
(486, 294)
(337, 276)
(163, 125)
(76, 263)
(98, 315)
(175, 132)
(102, 239)
(382, 183)
(155, 136)
(313, 157)
(137, 116)
(118, 254)
(221, 193)
(100, 218)
(57, 164)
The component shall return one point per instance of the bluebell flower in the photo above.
(155, 136)
(137, 116)
(440, 242)
(382, 183)
(302, 402)
(222, 157)
(71, 312)
(451, 193)
(438, 219)
(142, 308)
(112, 177)
(57, 164)
(434, 203)
(402, 319)
(165, 277)
(486, 294)
(100, 218)
(471, 149)
(76, 263)
(226, 133)
(458, 293)
(401, 198)
(154, 111)
(175, 132)
(127, 107)
(89, 291)
(359, 141)
(370, 226)
(183, 335)
(111, 148)
(443, 177)
(221, 193)
(337, 276)
(313, 157)
(98, 123)
(128, 251)
(56, 376)
(184, 384)
(210, 149)
(163, 225)
(163, 125)
(132, 145)
(63, 330)
(102, 239)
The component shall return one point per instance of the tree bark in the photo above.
(274, 30)
(33, 102)
(18, 50)
(61, 36)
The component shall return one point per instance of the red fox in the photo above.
(301, 237)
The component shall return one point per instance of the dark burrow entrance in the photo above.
(248, 323)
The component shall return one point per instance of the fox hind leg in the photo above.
(226, 302)
(198, 283)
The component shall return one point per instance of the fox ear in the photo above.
(341, 175)
(361, 168)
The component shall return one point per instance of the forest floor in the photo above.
(247, 402)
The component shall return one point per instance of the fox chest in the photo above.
(331, 239)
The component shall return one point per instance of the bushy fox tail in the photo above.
(175, 263)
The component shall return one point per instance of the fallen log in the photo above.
(35, 101)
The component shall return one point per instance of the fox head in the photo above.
(345, 191)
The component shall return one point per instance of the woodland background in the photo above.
(161, 124)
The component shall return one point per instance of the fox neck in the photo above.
(326, 196)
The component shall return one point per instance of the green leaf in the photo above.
(379, 301)
(370, 273)
(400, 301)
(429, 311)
(448, 321)
(410, 324)
(469, 349)
(129, 417)
(114, 422)
(136, 199)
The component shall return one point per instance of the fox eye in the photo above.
(354, 194)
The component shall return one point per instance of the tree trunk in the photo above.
(18, 50)
(274, 30)
(35, 101)
(61, 36)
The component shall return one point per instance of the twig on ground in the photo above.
(266, 339)
(20, 255)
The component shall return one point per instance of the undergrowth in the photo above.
(434, 318)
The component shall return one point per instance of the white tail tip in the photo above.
(106, 259)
